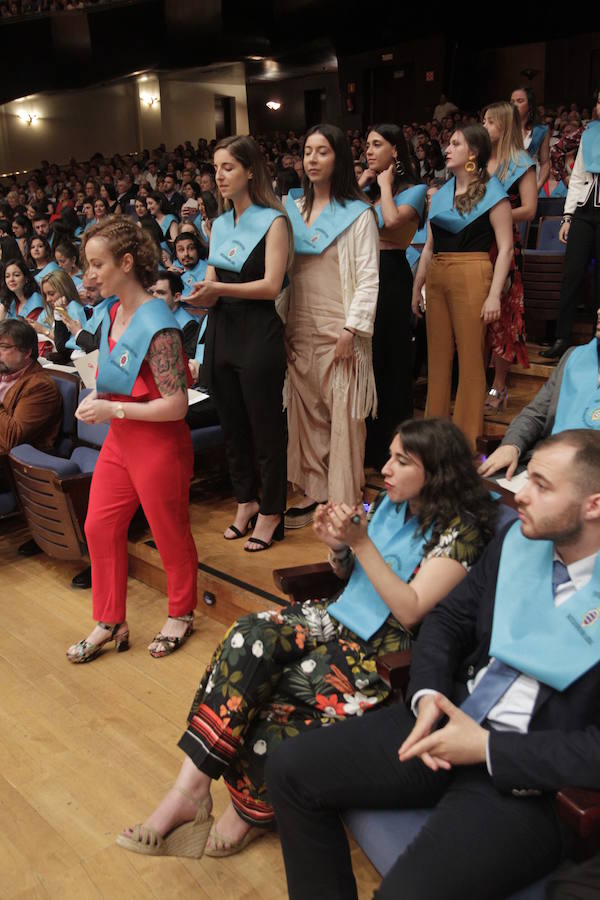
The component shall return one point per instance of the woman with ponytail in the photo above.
(467, 217)
(399, 203)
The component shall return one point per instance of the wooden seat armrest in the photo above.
(77, 488)
(579, 808)
(393, 669)
(487, 443)
(316, 581)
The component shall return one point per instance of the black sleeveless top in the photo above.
(477, 237)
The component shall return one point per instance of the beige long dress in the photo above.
(326, 444)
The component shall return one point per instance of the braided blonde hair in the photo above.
(478, 141)
(122, 237)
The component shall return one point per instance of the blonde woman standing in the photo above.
(515, 170)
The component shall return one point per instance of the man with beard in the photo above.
(509, 666)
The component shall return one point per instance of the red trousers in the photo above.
(149, 463)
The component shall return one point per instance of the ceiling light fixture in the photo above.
(273, 105)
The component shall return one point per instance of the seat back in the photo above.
(90, 435)
(542, 280)
(9, 504)
(54, 501)
(68, 385)
(547, 236)
(523, 228)
(550, 206)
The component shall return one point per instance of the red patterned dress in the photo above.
(506, 338)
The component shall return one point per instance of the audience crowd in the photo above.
(82, 244)
(22, 8)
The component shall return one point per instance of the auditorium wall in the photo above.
(290, 93)
(114, 118)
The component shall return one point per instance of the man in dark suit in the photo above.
(493, 827)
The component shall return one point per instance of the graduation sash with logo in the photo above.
(75, 311)
(231, 244)
(579, 398)
(190, 277)
(118, 369)
(444, 214)
(401, 544)
(590, 147)
(334, 219)
(554, 644)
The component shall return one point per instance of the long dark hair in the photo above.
(30, 287)
(452, 488)
(479, 143)
(407, 174)
(246, 151)
(343, 180)
(532, 115)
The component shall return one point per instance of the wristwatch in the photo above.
(120, 413)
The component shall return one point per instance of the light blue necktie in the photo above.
(499, 677)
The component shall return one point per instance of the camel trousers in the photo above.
(457, 286)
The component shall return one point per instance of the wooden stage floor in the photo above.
(86, 750)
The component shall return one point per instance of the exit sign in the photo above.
(430, 76)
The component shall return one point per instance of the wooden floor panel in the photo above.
(85, 750)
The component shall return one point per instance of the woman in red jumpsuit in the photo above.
(147, 456)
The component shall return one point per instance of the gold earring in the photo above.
(470, 166)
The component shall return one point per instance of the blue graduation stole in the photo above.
(77, 280)
(98, 311)
(183, 317)
(413, 196)
(420, 236)
(231, 244)
(117, 370)
(76, 311)
(32, 303)
(89, 224)
(516, 169)
(329, 224)
(49, 267)
(166, 223)
(443, 213)
(199, 223)
(538, 133)
(590, 147)
(412, 257)
(554, 644)
(579, 398)
(401, 544)
(191, 276)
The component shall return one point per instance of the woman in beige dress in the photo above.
(330, 388)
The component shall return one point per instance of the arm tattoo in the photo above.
(165, 358)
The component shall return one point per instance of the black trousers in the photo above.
(583, 245)
(477, 842)
(392, 355)
(247, 361)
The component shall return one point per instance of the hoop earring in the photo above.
(470, 166)
(399, 168)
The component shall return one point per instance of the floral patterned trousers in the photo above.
(274, 675)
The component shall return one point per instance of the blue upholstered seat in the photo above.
(68, 388)
(547, 237)
(206, 438)
(385, 834)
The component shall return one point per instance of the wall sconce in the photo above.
(149, 101)
(273, 105)
(28, 118)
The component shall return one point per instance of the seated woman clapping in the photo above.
(280, 672)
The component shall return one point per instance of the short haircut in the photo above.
(39, 216)
(585, 470)
(175, 282)
(22, 334)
